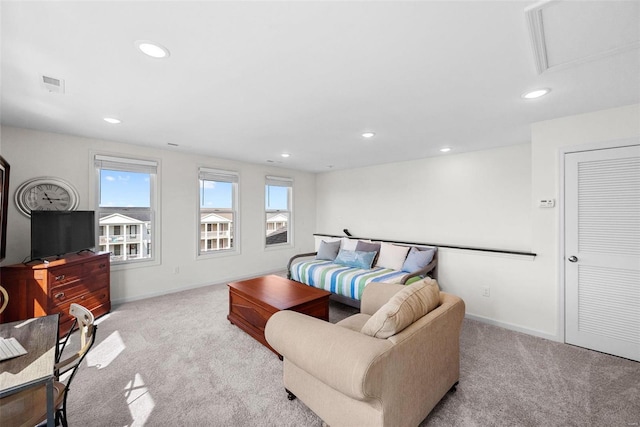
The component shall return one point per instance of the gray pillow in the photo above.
(363, 246)
(328, 250)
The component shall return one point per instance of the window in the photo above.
(218, 226)
(278, 210)
(126, 207)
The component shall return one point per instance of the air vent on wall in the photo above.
(52, 84)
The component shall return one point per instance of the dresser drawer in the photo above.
(72, 290)
(90, 301)
(60, 276)
(93, 268)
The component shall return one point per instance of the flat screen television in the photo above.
(55, 233)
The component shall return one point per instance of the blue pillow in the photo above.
(328, 250)
(417, 259)
(355, 259)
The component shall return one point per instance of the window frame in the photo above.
(279, 181)
(138, 165)
(227, 176)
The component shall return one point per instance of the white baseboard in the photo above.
(116, 302)
(513, 327)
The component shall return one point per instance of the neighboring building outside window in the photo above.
(278, 191)
(126, 207)
(218, 225)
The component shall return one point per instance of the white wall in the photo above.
(31, 154)
(479, 199)
(487, 199)
(548, 138)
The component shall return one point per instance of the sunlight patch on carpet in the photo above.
(139, 400)
(106, 352)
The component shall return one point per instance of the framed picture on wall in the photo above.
(4, 205)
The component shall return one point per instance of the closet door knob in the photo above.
(573, 258)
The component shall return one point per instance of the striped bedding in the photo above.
(339, 279)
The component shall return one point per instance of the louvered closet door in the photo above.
(602, 244)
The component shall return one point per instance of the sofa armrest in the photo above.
(345, 360)
(377, 294)
(295, 257)
(421, 272)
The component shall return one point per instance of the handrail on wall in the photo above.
(466, 248)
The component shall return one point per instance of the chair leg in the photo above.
(290, 395)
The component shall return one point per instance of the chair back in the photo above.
(4, 299)
(85, 321)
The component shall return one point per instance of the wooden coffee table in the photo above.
(252, 302)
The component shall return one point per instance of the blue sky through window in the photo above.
(276, 197)
(216, 194)
(125, 189)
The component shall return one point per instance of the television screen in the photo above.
(55, 233)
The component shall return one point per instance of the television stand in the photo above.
(50, 287)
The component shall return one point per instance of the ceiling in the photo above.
(252, 80)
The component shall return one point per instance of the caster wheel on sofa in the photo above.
(290, 395)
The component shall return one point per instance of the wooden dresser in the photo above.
(39, 289)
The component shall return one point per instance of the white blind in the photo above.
(125, 164)
(219, 175)
(279, 181)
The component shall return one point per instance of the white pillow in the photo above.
(348, 244)
(392, 256)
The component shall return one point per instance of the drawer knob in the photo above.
(59, 295)
(60, 277)
(102, 265)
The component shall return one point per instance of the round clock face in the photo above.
(50, 194)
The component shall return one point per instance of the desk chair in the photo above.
(29, 407)
(4, 299)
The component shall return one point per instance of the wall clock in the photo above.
(46, 194)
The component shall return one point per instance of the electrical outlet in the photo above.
(486, 291)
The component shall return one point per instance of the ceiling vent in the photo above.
(567, 33)
(52, 84)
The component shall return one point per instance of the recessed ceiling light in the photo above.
(112, 120)
(152, 49)
(368, 134)
(445, 149)
(285, 155)
(536, 93)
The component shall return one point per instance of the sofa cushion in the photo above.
(404, 308)
(392, 256)
(328, 250)
(354, 322)
(417, 259)
(355, 259)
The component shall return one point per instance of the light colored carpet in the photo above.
(175, 360)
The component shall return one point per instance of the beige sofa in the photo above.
(349, 378)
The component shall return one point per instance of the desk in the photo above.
(39, 337)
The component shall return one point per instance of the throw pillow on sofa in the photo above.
(417, 259)
(355, 259)
(392, 256)
(363, 246)
(404, 308)
(328, 250)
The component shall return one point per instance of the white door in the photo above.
(602, 250)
